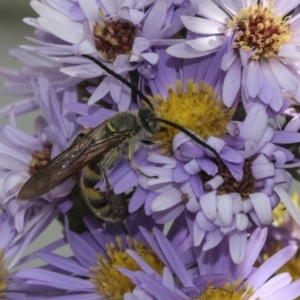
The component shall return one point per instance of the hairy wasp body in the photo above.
(92, 155)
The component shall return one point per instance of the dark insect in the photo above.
(99, 150)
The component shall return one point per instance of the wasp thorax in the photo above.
(113, 38)
(148, 120)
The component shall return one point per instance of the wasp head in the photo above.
(148, 120)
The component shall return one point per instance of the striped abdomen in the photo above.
(104, 205)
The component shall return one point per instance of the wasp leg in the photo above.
(133, 164)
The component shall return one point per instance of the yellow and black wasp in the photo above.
(94, 153)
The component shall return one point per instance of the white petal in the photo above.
(209, 205)
(198, 234)
(101, 90)
(166, 200)
(210, 43)
(204, 223)
(201, 25)
(86, 47)
(192, 167)
(152, 58)
(238, 245)
(285, 78)
(152, 24)
(284, 7)
(263, 171)
(232, 82)
(255, 123)
(83, 71)
(228, 60)
(212, 240)
(253, 78)
(289, 204)
(183, 50)
(90, 9)
(66, 31)
(210, 10)
(44, 10)
(262, 207)
(224, 205)
(230, 6)
(247, 206)
(289, 51)
(33, 23)
(214, 183)
(242, 221)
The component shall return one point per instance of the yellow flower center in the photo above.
(198, 109)
(3, 274)
(228, 291)
(256, 28)
(114, 37)
(39, 159)
(282, 217)
(108, 280)
(292, 266)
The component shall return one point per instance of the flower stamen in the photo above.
(39, 159)
(108, 280)
(257, 29)
(229, 291)
(113, 38)
(198, 108)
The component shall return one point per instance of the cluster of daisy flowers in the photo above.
(191, 204)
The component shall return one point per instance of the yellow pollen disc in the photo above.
(282, 217)
(198, 108)
(292, 266)
(3, 274)
(108, 280)
(228, 291)
(257, 28)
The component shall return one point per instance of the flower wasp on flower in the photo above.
(97, 151)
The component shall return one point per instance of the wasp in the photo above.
(94, 153)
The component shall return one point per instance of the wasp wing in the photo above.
(68, 163)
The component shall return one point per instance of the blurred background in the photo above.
(12, 33)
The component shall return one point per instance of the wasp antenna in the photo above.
(119, 77)
(191, 135)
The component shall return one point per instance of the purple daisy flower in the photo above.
(263, 47)
(18, 83)
(12, 248)
(23, 154)
(223, 198)
(93, 270)
(116, 33)
(217, 275)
